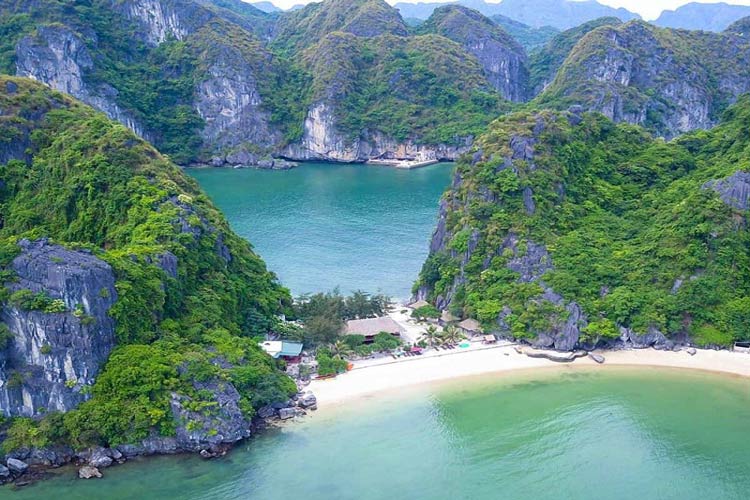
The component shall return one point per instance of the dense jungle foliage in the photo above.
(92, 184)
(634, 233)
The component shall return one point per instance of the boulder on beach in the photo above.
(691, 350)
(88, 472)
(558, 357)
(596, 357)
(307, 400)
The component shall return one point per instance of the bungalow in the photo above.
(288, 351)
(370, 327)
(446, 317)
(418, 304)
(470, 327)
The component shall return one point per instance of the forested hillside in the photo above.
(128, 303)
(565, 229)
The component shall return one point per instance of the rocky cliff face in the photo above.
(53, 358)
(165, 280)
(322, 140)
(57, 56)
(527, 259)
(503, 60)
(228, 99)
(227, 59)
(159, 20)
(669, 81)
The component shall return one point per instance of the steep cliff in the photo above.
(191, 76)
(545, 62)
(299, 29)
(125, 295)
(219, 82)
(394, 96)
(670, 81)
(502, 59)
(55, 351)
(566, 230)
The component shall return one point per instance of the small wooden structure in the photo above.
(372, 326)
(471, 327)
(418, 304)
(281, 349)
(489, 339)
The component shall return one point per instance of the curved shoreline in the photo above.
(367, 379)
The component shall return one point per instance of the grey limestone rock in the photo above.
(16, 466)
(52, 356)
(733, 190)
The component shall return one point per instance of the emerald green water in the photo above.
(612, 433)
(325, 225)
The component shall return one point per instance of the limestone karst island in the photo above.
(361, 249)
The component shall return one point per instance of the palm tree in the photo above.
(452, 335)
(431, 335)
(339, 349)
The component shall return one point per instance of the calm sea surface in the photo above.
(612, 433)
(321, 225)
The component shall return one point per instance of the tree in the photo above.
(431, 335)
(451, 335)
(339, 349)
(322, 329)
(425, 312)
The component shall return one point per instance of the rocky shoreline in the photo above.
(247, 161)
(28, 465)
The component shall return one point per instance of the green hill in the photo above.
(565, 229)
(109, 252)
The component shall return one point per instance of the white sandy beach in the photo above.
(373, 376)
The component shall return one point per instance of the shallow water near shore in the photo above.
(614, 433)
(324, 225)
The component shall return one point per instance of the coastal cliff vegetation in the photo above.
(560, 208)
(191, 296)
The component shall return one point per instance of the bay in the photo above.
(322, 225)
(615, 433)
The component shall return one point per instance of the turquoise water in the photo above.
(612, 433)
(325, 225)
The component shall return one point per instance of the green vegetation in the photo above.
(530, 38)
(303, 28)
(423, 88)
(633, 235)
(92, 184)
(425, 312)
(30, 301)
(545, 61)
(157, 84)
(329, 364)
(702, 62)
(323, 315)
